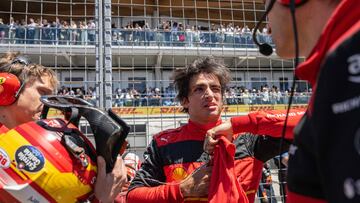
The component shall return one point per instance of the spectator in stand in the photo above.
(149, 35)
(246, 33)
(30, 35)
(64, 34)
(213, 35)
(91, 32)
(167, 100)
(21, 32)
(91, 95)
(84, 33)
(38, 30)
(45, 32)
(137, 35)
(196, 36)
(12, 31)
(246, 97)
(79, 93)
(2, 31)
(74, 32)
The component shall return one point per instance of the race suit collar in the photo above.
(340, 21)
(203, 128)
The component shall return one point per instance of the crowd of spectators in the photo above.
(42, 31)
(167, 33)
(264, 95)
(166, 97)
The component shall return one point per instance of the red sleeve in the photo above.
(267, 122)
(159, 194)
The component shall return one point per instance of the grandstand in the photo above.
(121, 54)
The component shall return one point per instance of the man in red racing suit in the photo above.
(173, 155)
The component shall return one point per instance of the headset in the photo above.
(265, 48)
(10, 84)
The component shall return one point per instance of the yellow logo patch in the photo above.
(179, 174)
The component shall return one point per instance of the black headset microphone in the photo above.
(265, 48)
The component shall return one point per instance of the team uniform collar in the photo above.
(200, 127)
(343, 18)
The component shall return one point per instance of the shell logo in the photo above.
(179, 174)
(2, 80)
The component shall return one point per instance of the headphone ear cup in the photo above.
(9, 86)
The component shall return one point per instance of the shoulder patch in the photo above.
(167, 136)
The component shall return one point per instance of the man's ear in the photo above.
(185, 103)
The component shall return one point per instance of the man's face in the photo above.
(204, 101)
(28, 106)
(280, 26)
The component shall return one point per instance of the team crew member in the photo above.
(174, 154)
(324, 160)
(25, 106)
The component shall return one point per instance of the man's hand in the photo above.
(224, 129)
(108, 186)
(197, 184)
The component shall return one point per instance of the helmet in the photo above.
(36, 160)
(44, 160)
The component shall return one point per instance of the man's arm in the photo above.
(267, 122)
(267, 147)
(146, 187)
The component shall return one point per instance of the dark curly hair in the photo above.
(208, 65)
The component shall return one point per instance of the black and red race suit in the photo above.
(324, 162)
(174, 154)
